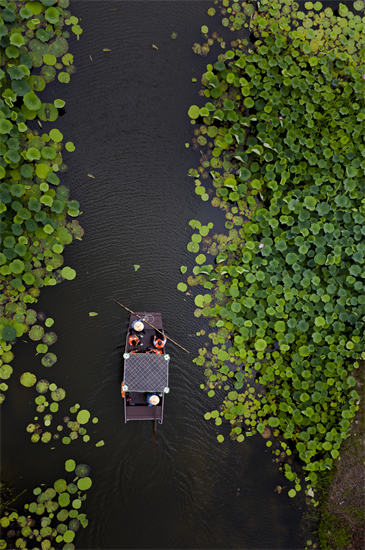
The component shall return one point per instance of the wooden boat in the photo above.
(146, 369)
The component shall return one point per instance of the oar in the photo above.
(158, 330)
(154, 432)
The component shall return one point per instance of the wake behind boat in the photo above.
(146, 368)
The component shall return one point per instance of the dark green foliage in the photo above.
(290, 290)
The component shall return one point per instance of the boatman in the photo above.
(152, 399)
(138, 326)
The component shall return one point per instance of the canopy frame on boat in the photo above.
(145, 372)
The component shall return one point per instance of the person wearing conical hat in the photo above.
(152, 399)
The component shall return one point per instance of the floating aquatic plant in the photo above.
(285, 122)
(54, 515)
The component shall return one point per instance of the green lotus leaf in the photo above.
(58, 394)
(84, 483)
(17, 73)
(63, 192)
(17, 190)
(310, 202)
(5, 126)
(12, 52)
(69, 146)
(37, 83)
(49, 338)
(56, 135)
(260, 344)
(33, 154)
(49, 359)
(48, 73)
(26, 170)
(194, 112)
(64, 77)
(64, 499)
(42, 386)
(245, 174)
(32, 101)
(52, 15)
(182, 287)
(68, 273)
(100, 444)
(36, 332)
(42, 35)
(6, 370)
(17, 266)
(70, 465)
(17, 39)
(48, 112)
(12, 156)
(28, 379)
(48, 153)
(83, 416)
(49, 59)
(8, 333)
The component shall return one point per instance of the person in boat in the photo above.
(133, 340)
(138, 326)
(152, 399)
(159, 342)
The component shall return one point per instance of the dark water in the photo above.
(127, 115)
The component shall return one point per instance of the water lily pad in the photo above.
(49, 338)
(64, 499)
(28, 379)
(6, 371)
(36, 332)
(46, 437)
(42, 348)
(49, 359)
(58, 395)
(9, 333)
(42, 386)
(84, 483)
(100, 444)
(68, 273)
(70, 465)
(70, 147)
(31, 317)
(182, 287)
(83, 416)
(30, 428)
(60, 485)
(82, 470)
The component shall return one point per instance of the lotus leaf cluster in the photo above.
(52, 518)
(34, 203)
(284, 135)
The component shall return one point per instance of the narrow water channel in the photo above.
(127, 115)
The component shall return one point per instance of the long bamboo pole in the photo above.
(158, 330)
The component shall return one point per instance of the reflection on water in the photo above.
(127, 115)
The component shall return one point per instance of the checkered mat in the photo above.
(144, 372)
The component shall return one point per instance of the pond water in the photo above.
(127, 115)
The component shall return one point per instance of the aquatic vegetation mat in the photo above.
(53, 517)
(281, 139)
(37, 223)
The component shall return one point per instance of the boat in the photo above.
(146, 368)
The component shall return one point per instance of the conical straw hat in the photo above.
(154, 400)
